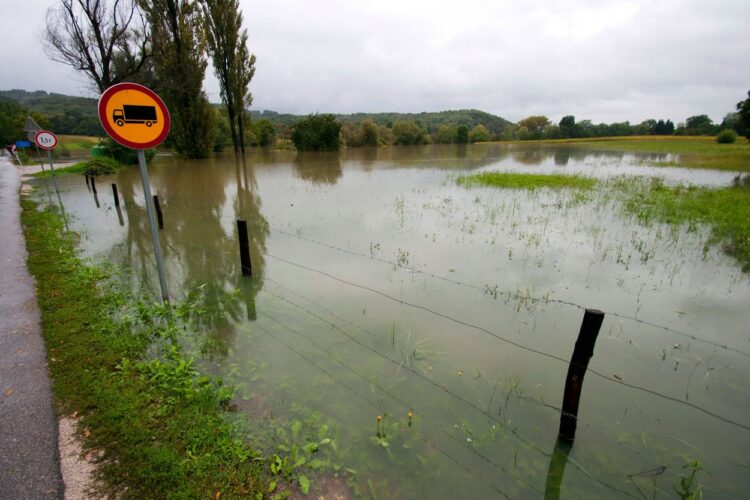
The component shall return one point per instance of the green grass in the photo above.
(78, 144)
(725, 210)
(508, 180)
(95, 166)
(77, 168)
(163, 426)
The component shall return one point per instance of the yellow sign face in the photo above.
(134, 116)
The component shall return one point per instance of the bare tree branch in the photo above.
(108, 41)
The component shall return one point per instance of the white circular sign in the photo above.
(45, 139)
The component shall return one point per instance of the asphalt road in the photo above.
(29, 459)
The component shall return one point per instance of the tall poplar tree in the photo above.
(179, 68)
(233, 64)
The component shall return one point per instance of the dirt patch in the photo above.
(78, 469)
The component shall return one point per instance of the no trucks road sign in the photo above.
(134, 116)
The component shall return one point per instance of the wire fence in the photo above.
(482, 288)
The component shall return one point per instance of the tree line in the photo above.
(410, 132)
(540, 127)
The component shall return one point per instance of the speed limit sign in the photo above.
(45, 139)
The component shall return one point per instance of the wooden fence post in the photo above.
(117, 197)
(159, 215)
(247, 269)
(584, 349)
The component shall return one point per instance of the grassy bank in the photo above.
(510, 180)
(692, 152)
(725, 210)
(163, 426)
(95, 166)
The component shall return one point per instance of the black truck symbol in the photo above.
(134, 114)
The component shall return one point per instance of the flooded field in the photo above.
(411, 336)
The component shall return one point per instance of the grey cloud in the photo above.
(602, 60)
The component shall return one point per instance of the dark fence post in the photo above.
(247, 269)
(159, 215)
(117, 197)
(93, 184)
(584, 349)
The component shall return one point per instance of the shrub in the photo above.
(317, 133)
(407, 132)
(726, 136)
(479, 134)
(101, 166)
(121, 154)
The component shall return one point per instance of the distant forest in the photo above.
(78, 116)
(65, 114)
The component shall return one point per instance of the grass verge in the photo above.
(509, 180)
(96, 166)
(726, 210)
(162, 425)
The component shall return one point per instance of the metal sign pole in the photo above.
(152, 223)
(41, 162)
(39, 155)
(57, 191)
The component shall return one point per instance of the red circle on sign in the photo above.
(112, 131)
(45, 139)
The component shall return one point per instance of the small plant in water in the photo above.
(688, 488)
(402, 258)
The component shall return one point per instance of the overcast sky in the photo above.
(597, 59)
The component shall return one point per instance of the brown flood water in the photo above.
(381, 287)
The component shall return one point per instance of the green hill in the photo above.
(429, 120)
(67, 114)
(78, 115)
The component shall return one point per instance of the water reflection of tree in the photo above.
(318, 167)
(530, 155)
(247, 206)
(562, 156)
(367, 156)
(200, 244)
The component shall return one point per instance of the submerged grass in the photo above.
(725, 210)
(113, 360)
(510, 180)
